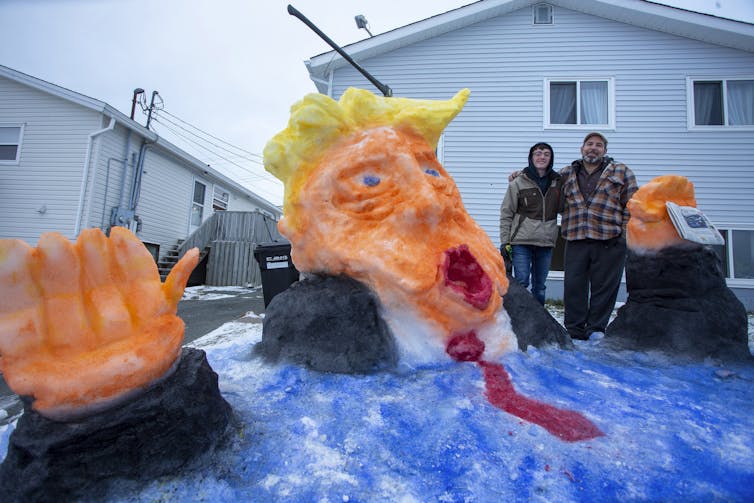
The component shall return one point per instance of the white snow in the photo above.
(673, 431)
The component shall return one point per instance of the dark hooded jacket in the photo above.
(528, 214)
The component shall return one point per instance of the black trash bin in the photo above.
(278, 271)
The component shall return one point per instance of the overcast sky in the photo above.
(230, 67)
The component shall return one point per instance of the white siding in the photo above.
(41, 194)
(504, 62)
(110, 177)
(165, 201)
(166, 196)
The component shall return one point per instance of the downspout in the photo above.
(85, 174)
(136, 186)
(125, 170)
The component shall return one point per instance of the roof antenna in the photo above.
(386, 91)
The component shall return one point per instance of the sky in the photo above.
(232, 68)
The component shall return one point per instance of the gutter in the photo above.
(85, 174)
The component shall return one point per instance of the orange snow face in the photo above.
(650, 227)
(380, 208)
(84, 324)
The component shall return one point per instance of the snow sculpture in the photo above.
(678, 301)
(90, 339)
(88, 323)
(367, 200)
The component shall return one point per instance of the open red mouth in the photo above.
(465, 275)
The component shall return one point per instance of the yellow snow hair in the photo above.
(318, 121)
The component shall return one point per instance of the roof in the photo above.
(151, 136)
(642, 13)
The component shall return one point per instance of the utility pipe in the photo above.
(85, 174)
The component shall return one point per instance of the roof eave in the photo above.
(207, 170)
(642, 13)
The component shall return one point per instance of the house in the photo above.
(69, 162)
(673, 90)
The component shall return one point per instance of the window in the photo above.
(583, 103)
(542, 13)
(10, 143)
(197, 205)
(220, 198)
(737, 255)
(721, 102)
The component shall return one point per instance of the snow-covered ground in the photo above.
(673, 432)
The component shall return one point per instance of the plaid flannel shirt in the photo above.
(604, 216)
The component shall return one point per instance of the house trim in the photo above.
(641, 13)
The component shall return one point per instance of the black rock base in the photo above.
(532, 323)
(332, 324)
(678, 303)
(328, 324)
(170, 427)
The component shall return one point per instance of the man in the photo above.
(595, 192)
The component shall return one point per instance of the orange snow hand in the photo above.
(650, 227)
(84, 324)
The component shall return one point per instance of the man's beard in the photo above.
(592, 159)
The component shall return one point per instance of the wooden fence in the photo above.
(231, 237)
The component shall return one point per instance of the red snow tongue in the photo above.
(565, 424)
(465, 275)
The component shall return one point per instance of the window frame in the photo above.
(534, 14)
(730, 268)
(215, 198)
(610, 126)
(19, 144)
(691, 110)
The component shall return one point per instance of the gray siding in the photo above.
(504, 62)
(110, 178)
(43, 191)
(49, 174)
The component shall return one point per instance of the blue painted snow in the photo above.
(673, 432)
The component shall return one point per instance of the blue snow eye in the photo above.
(371, 181)
(432, 172)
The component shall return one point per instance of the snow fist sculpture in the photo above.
(90, 339)
(85, 324)
(678, 301)
(368, 205)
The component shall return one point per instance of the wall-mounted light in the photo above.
(42, 209)
(362, 23)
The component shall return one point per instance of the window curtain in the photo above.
(562, 103)
(594, 102)
(740, 102)
(708, 104)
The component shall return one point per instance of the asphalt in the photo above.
(200, 316)
(203, 316)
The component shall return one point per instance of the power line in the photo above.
(264, 175)
(160, 117)
(209, 134)
(209, 142)
(249, 172)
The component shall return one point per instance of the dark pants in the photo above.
(593, 270)
(532, 262)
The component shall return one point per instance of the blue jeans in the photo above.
(532, 261)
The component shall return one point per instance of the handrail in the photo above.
(201, 237)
